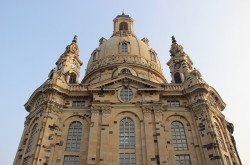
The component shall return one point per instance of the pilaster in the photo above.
(207, 140)
(160, 134)
(93, 150)
(148, 129)
(104, 150)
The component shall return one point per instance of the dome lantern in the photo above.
(123, 24)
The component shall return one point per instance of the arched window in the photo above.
(127, 133)
(94, 56)
(219, 137)
(177, 77)
(74, 136)
(153, 57)
(72, 78)
(31, 138)
(124, 48)
(178, 136)
(123, 26)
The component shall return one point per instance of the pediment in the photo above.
(136, 82)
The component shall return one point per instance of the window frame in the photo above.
(78, 104)
(180, 159)
(179, 137)
(124, 47)
(127, 159)
(125, 94)
(75, 161)
(173, 103)
(74, 138)
(219, 137)
(126, 132)
(32, 137)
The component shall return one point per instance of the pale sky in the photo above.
(214, 33)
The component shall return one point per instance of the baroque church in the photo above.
(124, 111)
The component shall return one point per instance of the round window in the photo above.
(126, 94)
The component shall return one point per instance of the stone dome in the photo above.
(123, 50)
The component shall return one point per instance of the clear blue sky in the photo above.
(216, 35)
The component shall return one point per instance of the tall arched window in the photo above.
(31, 138)
(124, 48)
(219, 137)
(72, 78)
(127, 133)
(74, 136)
(177, 77)
(178, 136)
(123, 26)
(127, 142)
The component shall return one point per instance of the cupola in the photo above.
(123, 24)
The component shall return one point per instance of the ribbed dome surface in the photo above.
(110, 48)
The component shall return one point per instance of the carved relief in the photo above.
(119, 59)
(95, 110)
(40, 100)
(157, 110)
(106, 111)
(147, 110)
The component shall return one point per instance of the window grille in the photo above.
(32, 137)
(127, 159)
(71, 160)
(178, 136)
(78, 104)
(127, 133)
(74, 137)
(182, 160)
(126, 94)
(174, 103)
(124, 48)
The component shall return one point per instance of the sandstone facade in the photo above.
(124, 111)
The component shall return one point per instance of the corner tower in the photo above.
(68, 64)
(180, 64)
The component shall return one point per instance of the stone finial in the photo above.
(173, 40)
(175, 48)
(75, 39)
(145, 40)
(123, 12)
